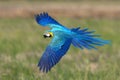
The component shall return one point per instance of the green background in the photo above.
(22, 43)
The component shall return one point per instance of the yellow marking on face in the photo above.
(51, 34)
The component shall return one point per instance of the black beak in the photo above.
(45, 36)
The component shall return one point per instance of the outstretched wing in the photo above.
(45, 20)
(53, 53)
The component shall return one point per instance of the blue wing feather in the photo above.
(86, 39)
(44, 19)
(52, 56)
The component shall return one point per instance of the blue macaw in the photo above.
(63, 37)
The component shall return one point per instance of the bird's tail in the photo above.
(86, 39)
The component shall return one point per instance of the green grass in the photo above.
(22, 44)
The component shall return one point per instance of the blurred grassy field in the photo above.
(22, 44)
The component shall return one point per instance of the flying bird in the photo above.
(62, 38)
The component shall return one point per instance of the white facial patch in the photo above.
(47, 34)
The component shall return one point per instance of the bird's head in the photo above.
(48, 35)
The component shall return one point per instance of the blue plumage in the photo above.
(44, 19)
(62, 39)
(87, 39)
(50, 57)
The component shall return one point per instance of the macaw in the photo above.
(63, 37)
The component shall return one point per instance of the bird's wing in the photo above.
(53, 53)
(46, 20)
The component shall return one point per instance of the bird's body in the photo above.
(63, 37)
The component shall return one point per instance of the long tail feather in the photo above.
(86, 39)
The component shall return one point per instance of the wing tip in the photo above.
(44, 68)
(45, 19)
(42, 14)
(41, 18)
(47, 61)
